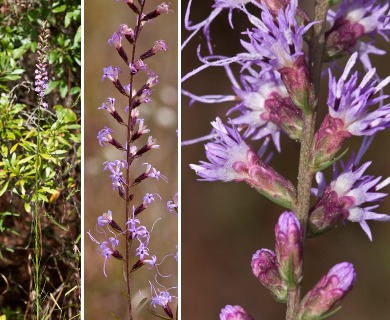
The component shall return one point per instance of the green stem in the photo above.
(37, 233)
(305, 175)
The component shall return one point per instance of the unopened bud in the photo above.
(328, 292)
(289, 248)
(265, 268)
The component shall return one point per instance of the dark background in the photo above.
(223, 224)
(103, 295)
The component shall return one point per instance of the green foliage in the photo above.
(19, 35)
(18, 155)
(40, 153)
(8, 313)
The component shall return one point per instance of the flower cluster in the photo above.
(278, 92)
(41, 78)
(136, 237)
(281, 271)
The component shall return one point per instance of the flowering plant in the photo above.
(129, 232)
(276, 86)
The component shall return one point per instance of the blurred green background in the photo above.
(103, 295)
(223, 224)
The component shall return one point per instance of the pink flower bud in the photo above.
(288, 247)
(328, 292)
(298, 83)
(328, 141)
(234, 313)
(265, 268)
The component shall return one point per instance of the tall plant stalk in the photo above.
(41, 80)
(124, 171)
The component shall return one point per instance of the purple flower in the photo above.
(159, 45)
(116, 40)
(266, 109)
(234, 313)
(116, 176)
(328, 292)
(162, 8)
(346, 197)
(350, 112)
(142, 250)
(162, 298)
(231, 159)
(172, 205)
(277, 42)
(265, 268)
(227, 150)
(151, 172)
(289, 248)
(111, 73)
(107, 249)
(351, 102)
(109, 106)
(104, 136)
(353, 20)
(104, 219)
(148, 199)
(127, 32)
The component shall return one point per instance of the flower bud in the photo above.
(267, 181)
(285, 115)
(327, 213)
(328, 141)
(289, 249)
(297, 80)
(234, 313)
(265, 268)
(328, 292)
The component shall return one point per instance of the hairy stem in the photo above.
(129, 160)
(305, 175)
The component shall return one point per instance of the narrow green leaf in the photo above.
(27, 159)
(4, 188)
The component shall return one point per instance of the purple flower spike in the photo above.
(265, 268)
(346, 197)
(41, 78)
(289, 248)
(234, 313)
(231, 159)
(328, 292)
